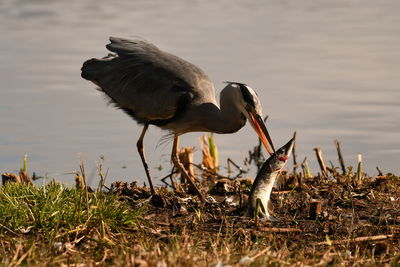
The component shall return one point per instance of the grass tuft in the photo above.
(56, 208)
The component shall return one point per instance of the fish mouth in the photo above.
(284, 152)
(283, 158)
(261, 130)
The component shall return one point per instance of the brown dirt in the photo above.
(348, 211)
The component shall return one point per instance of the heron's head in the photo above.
(250, 105)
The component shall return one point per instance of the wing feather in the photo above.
(146, 81)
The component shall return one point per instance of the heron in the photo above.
(157, 88)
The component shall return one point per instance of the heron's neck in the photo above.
(224, 119)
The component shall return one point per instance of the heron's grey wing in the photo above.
(149, 83)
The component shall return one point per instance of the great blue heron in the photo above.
(158, 88)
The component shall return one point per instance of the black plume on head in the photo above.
(247, 96)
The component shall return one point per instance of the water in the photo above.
(327, 69)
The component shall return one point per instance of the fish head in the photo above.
(281, 156)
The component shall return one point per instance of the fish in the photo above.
(262, 186)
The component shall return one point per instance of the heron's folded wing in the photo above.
(147, 81)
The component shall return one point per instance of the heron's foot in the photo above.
(157, 200)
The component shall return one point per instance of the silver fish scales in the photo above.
(265, 179)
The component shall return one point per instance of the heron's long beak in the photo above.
(261, 129)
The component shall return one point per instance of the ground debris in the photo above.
(309, 213)
(321, 221)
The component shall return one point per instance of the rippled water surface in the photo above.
(327, 69)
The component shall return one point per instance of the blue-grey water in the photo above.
(326, 69)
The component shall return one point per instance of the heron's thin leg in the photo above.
(140, 148)
(181, 168)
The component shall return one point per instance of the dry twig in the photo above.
(321, 162)
(357, 239)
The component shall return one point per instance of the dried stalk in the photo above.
(83, 173)
(380, 173)
(359, 174)
(321, 162)
(78, 180)
(280, 230)
(357, 239)
(186, 158)
(315, 209)
(10, 178)
(341, 161)
(8, 229)
(22, 177)
(241, 171)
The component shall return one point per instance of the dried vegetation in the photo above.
(334, 218)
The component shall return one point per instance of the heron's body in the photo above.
(158, 88)
(155, 87)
